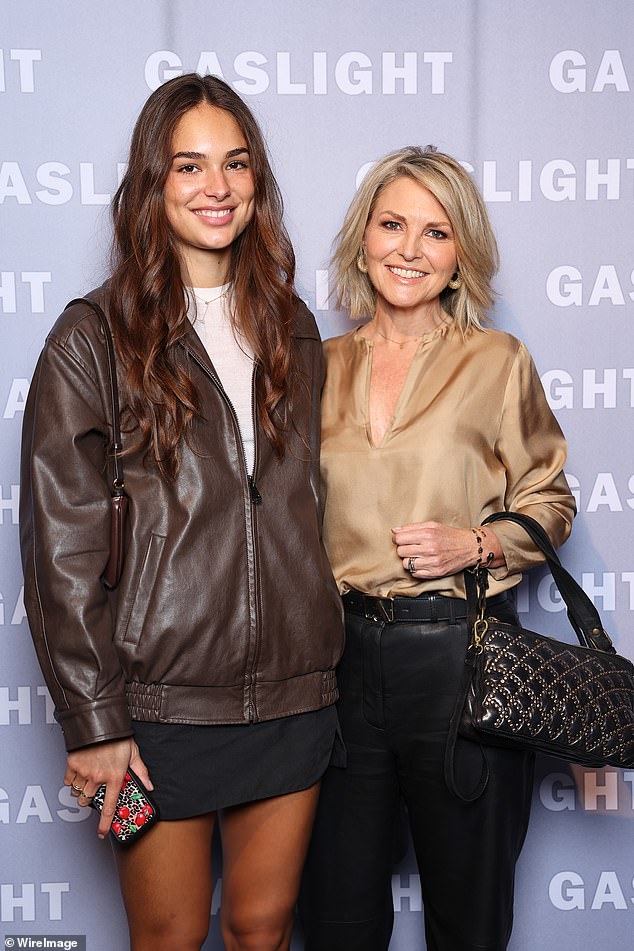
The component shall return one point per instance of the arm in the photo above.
(532, 449)
(64, 528)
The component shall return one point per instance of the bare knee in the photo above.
(166, 886)
(258, 932)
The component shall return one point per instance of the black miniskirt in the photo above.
(200, 769)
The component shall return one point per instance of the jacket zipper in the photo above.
(255, 498)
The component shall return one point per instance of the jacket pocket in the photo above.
(144, 589)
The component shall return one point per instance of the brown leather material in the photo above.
(112, 573)
(226, 611)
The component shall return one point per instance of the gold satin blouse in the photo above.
(471, 434)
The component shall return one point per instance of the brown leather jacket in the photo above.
(227, 611)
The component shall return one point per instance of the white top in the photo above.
(232, 357)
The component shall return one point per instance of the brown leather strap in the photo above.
(119, 499)
(117, 445)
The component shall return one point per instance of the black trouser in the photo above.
(398, 684)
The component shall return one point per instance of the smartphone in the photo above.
(135, 812)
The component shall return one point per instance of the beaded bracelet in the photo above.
(479, 535)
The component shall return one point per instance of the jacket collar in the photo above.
(195, 347)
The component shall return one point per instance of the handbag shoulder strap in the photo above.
(582, 613)
(116, 447)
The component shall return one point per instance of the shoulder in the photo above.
(339, 346)
(494, 349)
(78, 330)
(79, 317)
(305, 325)
(491, 342)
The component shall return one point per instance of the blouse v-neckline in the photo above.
(406, 388)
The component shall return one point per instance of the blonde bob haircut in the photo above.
(476, 247)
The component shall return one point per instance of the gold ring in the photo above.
(78, 789)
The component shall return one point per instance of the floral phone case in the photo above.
(135, 813)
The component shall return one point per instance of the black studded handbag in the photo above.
(523, 689)
(118, 497)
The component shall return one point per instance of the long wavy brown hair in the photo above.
(148, 300)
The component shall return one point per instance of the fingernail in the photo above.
(100, 836)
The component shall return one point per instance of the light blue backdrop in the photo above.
(536, 97)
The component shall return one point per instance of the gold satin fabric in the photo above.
(471, 434)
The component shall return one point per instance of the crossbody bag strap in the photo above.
(117, 445)
(451, 779)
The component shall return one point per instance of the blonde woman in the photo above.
(430, 422)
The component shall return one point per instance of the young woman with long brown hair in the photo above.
(210, 669)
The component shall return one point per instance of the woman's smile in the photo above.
(406, 273)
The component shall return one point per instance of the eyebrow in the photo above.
(430, 224)
(200, 156)
(392, 214)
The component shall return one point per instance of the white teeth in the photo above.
(209, 213)
(406, 272)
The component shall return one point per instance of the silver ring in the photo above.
(411, 563)
(78, 789)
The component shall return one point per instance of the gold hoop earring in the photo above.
(455, 282)
(362, 264)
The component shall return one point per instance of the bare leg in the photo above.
(264, 845)
(166, 884)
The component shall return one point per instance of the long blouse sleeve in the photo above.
(532, 449)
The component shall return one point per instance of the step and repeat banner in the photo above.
(536, 99)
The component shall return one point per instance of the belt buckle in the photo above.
(387, 612)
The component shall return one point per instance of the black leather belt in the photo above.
(426, 607)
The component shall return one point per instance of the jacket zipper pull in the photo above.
(256, 498)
